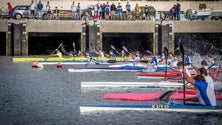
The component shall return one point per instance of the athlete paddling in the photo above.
(206, 95)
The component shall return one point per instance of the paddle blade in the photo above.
(125, 49)
(148, 51)
(166, 95)
(113, 47)
(165, 52)
(74, 45)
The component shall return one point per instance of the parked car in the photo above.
(89, 9)
(4, 13)
(21, 11)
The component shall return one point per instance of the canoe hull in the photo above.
(130, 84)
(167, 107)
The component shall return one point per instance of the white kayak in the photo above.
(133, 84)
(155, 107)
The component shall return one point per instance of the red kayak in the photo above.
(152, 96)
(157, 75)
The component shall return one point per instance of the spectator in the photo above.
(103, 6)
(137, 11)
(107, 10)
(119, 11)
(128, 8)
(173, 10)
(146, 11)
(56, 12)
(32, 7)
(86, 18)
(73, 8)
(178, 11)
(78, 11)
(49, 14)
(95, 18)
(96, 9)
(39, 7)
(113, 11)
(10, 10)
(47, 6)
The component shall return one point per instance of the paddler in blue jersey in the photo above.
(154, 60)
(88, 56)
(206, 95)
(112, 56)
(187, 59)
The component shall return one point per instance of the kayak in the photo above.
(71, 58)
(153, 107)
(98, 69)
(72, 63)
(157, 75)
(131, 84)
(153, 96)
(128, 65)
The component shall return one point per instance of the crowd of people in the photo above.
(102, 11)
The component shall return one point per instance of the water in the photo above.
(53, 96)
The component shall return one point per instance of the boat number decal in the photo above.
(160, 106)
(155, 83)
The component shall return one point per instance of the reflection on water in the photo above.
(53, 96)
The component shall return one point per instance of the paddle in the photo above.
(165, 96)
(126, 49)
(182, 54)
(114, 49)
(166, 55)
(143, 61)
(74, 50)
(149, 52)
(54, 51)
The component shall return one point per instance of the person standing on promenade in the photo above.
(73, 8)
(78, 11)
(128, 8)
(107, 11)
(119, 11)
(95, 18)
(113, 11)
(102, 7)
(39, 8)
(10, 10)
(137, 11)
(32, 8)
(56, 12)
(173, 10)
(178, 11)
(48, 6)
(146, 11)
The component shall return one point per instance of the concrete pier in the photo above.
(18, 32)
